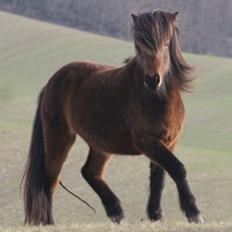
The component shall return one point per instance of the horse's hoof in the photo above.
(117, 219)
(196, 219)
(155, 216)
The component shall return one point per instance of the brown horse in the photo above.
(135, 109)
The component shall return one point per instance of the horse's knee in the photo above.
(87, 173)
(179, 172)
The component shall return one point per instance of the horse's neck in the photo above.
(133, 72)
(166, 95)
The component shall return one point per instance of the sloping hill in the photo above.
(206, 29)
(31, 51)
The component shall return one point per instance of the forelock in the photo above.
(151, 30)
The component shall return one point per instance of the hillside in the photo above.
(31, 51)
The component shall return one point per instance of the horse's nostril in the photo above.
(156, 78)
(152, 81)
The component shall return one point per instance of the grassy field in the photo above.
(125, 227)
(30, 52)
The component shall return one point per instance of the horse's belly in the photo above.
(116, 144)
(109, 138)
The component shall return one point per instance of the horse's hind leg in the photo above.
(92, 171)
(58, 141)
(157, 176)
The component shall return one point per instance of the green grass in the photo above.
(30, 52)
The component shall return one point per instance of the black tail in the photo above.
(37, 197)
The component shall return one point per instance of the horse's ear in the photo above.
(175, 14)
(134, 17)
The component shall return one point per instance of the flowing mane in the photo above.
(150, 31)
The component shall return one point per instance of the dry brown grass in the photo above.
(140, 227)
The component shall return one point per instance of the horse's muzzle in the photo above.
(152, 82)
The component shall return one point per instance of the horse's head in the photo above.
(154, 37)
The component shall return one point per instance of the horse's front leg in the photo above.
(163, 157)
(157, 176)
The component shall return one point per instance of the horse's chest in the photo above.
(170, 130)
(162, 122)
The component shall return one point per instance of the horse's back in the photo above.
(77, 72)
(69, 78)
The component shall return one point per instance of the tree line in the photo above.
(205, 25)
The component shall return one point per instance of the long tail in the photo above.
(37, 196)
